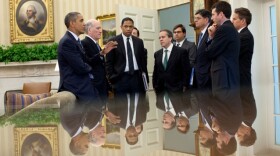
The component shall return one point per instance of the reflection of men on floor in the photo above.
(132, 109)
(32, 25)
(83, 123)
(171, 104)
(182, 121)
(241, 19)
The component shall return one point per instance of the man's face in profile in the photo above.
(29, 12)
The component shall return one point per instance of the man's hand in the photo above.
(211, 30)
(108, 47)
(112, 118)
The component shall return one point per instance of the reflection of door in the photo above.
(146, 21)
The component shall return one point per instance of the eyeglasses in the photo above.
(197, 18)
(177, 32)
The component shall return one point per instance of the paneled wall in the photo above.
(89, 8)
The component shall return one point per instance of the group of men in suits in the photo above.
(223, 74)
(220, 66)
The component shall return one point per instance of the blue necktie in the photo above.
(199, 39)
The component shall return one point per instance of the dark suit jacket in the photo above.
(74, 72)
(177, 74)
(223, 50)
(97, 63)
(202, 65)
(116, 59)
(119, 107)
(95, 60)
(72, 117)
(175, 98)
(246, 91)
(191, 48)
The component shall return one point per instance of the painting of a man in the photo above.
(31, 17)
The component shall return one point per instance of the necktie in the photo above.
(178, 45)
(129, 57)
(166, 98)
(80, 43)
(165, 59)
(199, 39)
(98, 47)
(131, 108)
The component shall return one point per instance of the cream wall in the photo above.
(89, 8)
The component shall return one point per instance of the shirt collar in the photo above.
(91, 39)
(75, 36)
(169, 48)
(240, 29)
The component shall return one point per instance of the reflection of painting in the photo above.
(36, 144)
(31, 20)
(112, 135)
(36, 141)
(31, 17)
(108, 23)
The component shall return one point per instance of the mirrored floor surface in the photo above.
(129, 124)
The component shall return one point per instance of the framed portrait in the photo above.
(113, 135)
(108, 23)
(31, 21)
(36, 141)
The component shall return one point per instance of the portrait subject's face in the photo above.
(30, 12)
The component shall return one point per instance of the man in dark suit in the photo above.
(171, 68)
(179, 32)
(223, 50)
(74, 72)
(202, 65)
(241, 19)
(95, 57)
(126, 64)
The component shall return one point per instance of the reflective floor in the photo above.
(131, 124)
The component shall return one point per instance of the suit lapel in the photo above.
(76, 42)
(171, 57)
(121, 44)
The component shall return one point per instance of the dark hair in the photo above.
(209, 143)
(70, 17)
(228, 149)
(127, 19)
(204, 13)
(138, 33)
(180, 26)
(223, 6)
(249, 140)
(169, 33)
(244, 13)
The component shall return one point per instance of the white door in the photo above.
(147, 23)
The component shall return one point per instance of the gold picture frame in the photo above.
(31, 21)
(35, 140)
(113, 135)
(108, 23)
